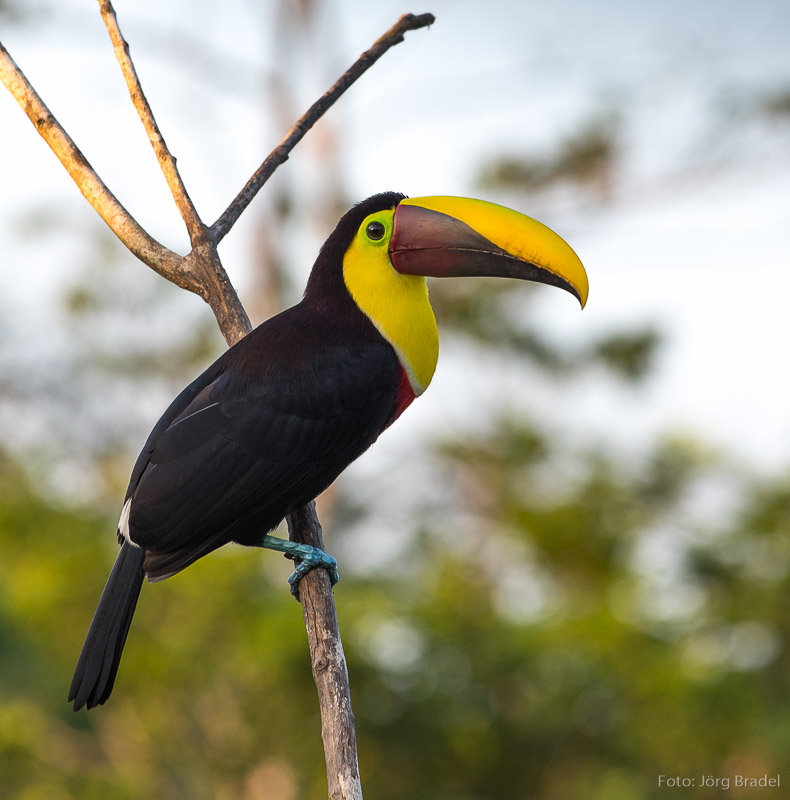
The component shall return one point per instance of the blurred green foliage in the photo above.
(777, 104)
(539, 645)
(495, 313)
(575, 623)
(586, 158)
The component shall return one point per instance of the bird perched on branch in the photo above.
(275, 419)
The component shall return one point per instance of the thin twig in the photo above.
(408, 22)
(107, 206)
(165, 158)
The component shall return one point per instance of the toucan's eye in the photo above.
(375, 231)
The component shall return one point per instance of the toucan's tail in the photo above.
(101, 653)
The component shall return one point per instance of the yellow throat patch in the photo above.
(396, 304)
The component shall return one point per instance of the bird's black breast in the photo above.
(261, 432)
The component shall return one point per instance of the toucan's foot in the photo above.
(306, 561)
(305, 558)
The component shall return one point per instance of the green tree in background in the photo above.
(562, 626)
(563, 621)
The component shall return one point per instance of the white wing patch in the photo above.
(123, 522)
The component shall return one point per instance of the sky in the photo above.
(694, 236)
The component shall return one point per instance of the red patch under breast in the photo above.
(405, 394)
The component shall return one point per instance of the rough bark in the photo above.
(330, 671)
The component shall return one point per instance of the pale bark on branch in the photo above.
(165, 158)
(120, 221)
(201, 272)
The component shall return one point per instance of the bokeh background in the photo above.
(565, 571)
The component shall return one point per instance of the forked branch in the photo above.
(201, 272)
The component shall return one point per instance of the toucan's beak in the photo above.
(442, 237)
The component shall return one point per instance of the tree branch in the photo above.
(330, 671)
(201, 272)
(106, 205)
(408, 22)
(231, 317)
(166, 161)
(203, 262)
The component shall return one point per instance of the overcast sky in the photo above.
(694, 238)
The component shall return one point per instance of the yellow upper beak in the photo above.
(454, 236)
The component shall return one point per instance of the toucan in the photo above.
(276, 418)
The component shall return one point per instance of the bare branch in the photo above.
(330, 672)
(166, 160)
(120, 221)
(204, 263)
(408, 22)
(201, 272)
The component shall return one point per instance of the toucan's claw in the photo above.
(303, 565)
(305, 558)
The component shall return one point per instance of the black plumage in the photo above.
(278, 417)
(266, 428)
(271, 424)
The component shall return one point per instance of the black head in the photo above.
(326, 278)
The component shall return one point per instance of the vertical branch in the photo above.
(330, 671)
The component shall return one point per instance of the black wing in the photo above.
(264, 430)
